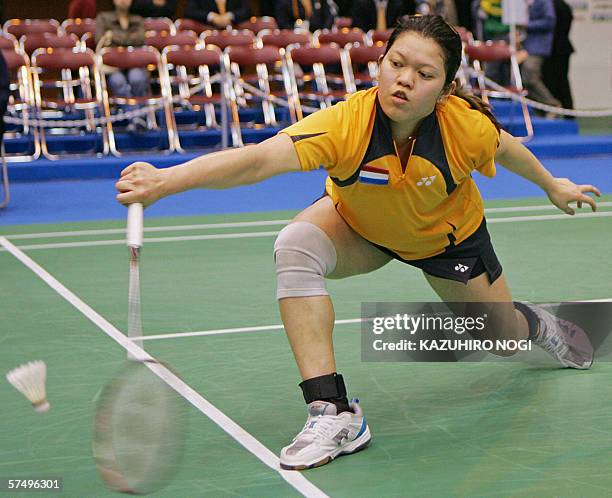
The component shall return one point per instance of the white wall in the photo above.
(591, 64)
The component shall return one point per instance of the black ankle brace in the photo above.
(325, 388)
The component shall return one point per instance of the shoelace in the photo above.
(556, 347)
(321, 429)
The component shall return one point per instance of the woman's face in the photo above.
(411, 78)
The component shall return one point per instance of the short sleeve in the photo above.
(318, 138)
(488, 140)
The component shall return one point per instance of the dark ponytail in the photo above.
(438, 30)
(478, 104)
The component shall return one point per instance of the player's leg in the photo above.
(504, 320)
(318, 244)
(564, 340)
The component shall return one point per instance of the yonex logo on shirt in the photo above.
(426, 180)
(461, 268)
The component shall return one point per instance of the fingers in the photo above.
(134, 168)
(588, 200)
(126, 198)
(589, 188)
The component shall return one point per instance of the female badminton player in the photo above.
(399, 158)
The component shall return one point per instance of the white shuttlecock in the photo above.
(30, 380)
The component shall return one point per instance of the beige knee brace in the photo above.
(304, 255)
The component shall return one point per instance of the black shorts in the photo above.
(462, 262)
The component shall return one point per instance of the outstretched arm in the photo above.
(513, 155)
(142, 182)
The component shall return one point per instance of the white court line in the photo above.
(266, 328)
(117, 242)
(294, 478)
(543, 207)
(239, 224)
(509, 219)
(232, 331)
(165, 228)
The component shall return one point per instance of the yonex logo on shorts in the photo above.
(426, 180)
(461, 268)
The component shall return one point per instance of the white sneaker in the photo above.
(325, 436)
(564, 340)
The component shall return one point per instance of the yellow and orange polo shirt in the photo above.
(415, 213)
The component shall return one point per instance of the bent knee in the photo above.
(304, 255)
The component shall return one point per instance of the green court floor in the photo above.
(497, 428)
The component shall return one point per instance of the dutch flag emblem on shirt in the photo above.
(373, 175)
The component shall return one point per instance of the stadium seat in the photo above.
(228, 38)
(20, 27)
(268, 74)
(31, 42)
(185, 69)
(256, 24)
(159, 24)
(21, 105)
(67, 80)
(340, 37)
(498, 51)
(282, 38)
(79, 27)
(364, 64)
(321, 85)
(125, 58)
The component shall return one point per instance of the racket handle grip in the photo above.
(135, 225)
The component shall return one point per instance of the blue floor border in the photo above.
(94, 199)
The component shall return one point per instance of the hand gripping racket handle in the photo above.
(135, 226)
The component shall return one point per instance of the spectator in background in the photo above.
(81, 9)
(308, 14)
(119, 28)
(538, 45)
(218, 13)
(464, 14)
(487, 15)
(380, 14)
(154, 8)
(443, 8)
(556, 67)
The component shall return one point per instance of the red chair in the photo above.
(373, 36)
(67, 80)
(20, 27)
(191, 25)
(31, 42)
(125, 58)
(79, 27)
(283, 37)
(89, 40)
(498, 51)
(224, 39)
(21, 104)
(321, 85)
(159, 24)
(186, 68)
(256, 24)
(364, 56)
(8, 41)
(463, 74)
(340, 37)
(269, 80)
(163, 39)
(343, 22)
